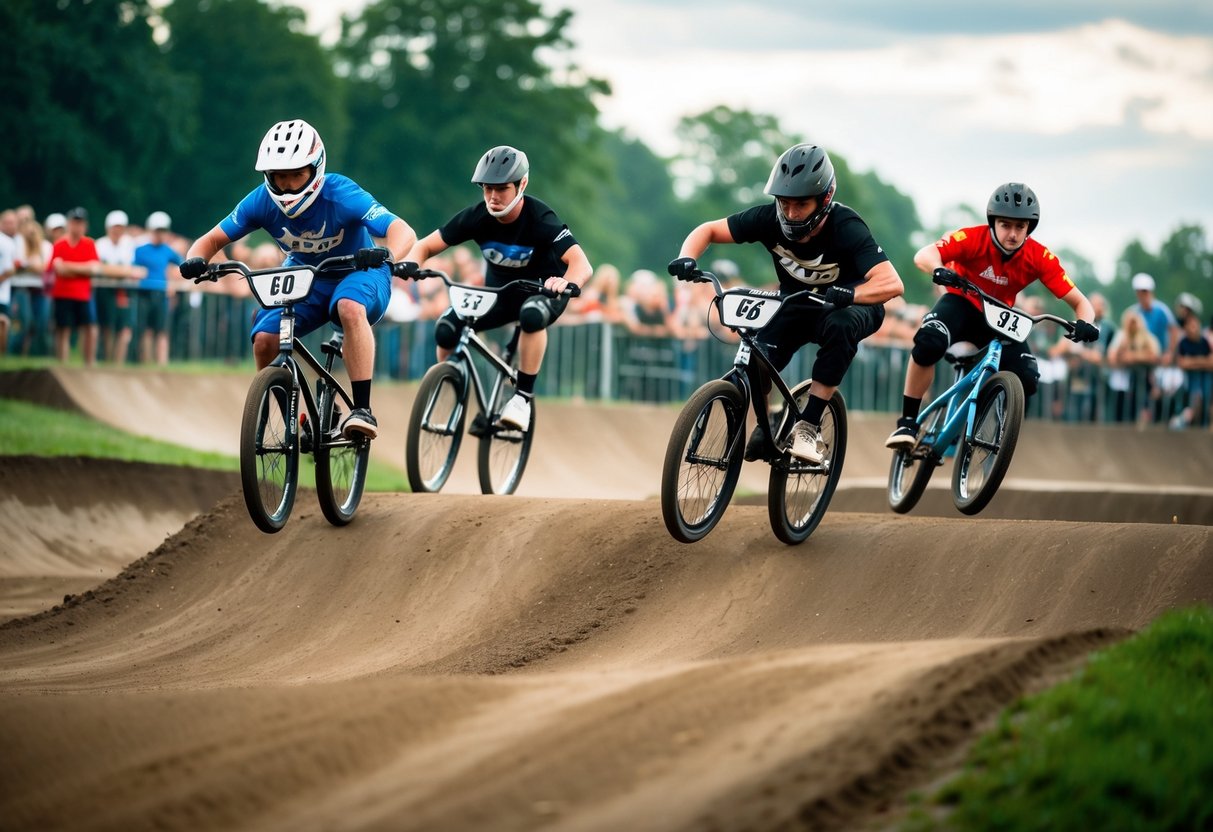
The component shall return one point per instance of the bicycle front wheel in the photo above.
(911, 469)
(436, 427)
(702, 461)
(341, 464)
(799, 493)
(982, 462)
(269, 449)
(503, 455)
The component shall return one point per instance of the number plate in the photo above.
(1008, 323)
(281, 288)
(471, 303)
(748, 309)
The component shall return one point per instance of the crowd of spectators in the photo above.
(61, 289)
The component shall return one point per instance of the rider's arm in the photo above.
(209, 244)
(400, 239)
(928, 258)
(1077, 301)
(697, 242)
(881, 283)
(579, 270)
(427, 247)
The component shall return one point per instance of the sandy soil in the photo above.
(551, 660)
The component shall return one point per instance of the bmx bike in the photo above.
(440, 409)
(977, 419)
(704, 455)
(274, 430)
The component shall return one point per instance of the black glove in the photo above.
(371, 258)
(407, 270)
(683, 268)
(193, 268)
(840, 296)
(944, 276)
(1084, 331)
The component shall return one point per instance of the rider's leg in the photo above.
(1018, 359)
(358, 349)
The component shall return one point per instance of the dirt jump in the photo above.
(551, 660)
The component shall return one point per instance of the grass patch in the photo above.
(1126, 744)
(27, 429)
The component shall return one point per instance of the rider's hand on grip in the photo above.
(1084, 331)
(371, 258)
(683, 268)
(407, 270)
(944, 276)
(193, 268)
(840, 296)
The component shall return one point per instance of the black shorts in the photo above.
(151, 310)
(509, 307)
(70, 314)
(962, 321)
(113, 308)
(836, 332)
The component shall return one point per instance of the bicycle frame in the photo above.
(486, 397)
(960, 403)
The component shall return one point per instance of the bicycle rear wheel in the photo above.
(503, 455)
(911, 469)
(269, 449)
(702, 461)
(799, 493)
(982, 462)
(341, 464)
(436, 427)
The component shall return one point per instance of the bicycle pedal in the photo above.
(479, 427)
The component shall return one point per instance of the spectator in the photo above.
(1157, 317)
(117, 252)
(1133, 355)
(8, 267)
(74, 262)
(161, 262)
(599, 299)
(1084, 364)
(647, 311)
(1187, 304)
(1194, 355)
(468, 267)
(30, 303)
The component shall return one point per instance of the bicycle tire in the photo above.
(976, 478)
(911, 470)
(436, 427)
(341, 464)
(503, 455)
(269, 449)
(699, 472)
(799, 493)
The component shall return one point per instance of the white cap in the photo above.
(1142, 282)
(158, 221)
(116, 218)
(55, 220)
(1189, 300)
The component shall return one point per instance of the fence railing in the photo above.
(604, 361)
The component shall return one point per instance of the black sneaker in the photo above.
(904, 437)
(360, 421)
(305, 434)
(479, 427)
(757, 447)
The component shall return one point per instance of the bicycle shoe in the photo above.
(807, 443)
(360, 421)
(904, 437)
(479, 427)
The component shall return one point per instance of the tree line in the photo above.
(122, 103)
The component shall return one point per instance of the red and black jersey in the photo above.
(973, 254)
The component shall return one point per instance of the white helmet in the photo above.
(158, 221)
(116, 218)
(290, 145)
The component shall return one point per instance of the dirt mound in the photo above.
(463, 662)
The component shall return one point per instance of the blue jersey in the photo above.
(338, 223)
(155, 257)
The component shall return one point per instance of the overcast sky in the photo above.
(1104, 108)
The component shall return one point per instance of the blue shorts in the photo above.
(371, 288)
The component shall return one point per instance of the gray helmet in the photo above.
(804, 171)
(501, 166)
(1013, 201)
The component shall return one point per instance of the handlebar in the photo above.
(345, 262)
(572, 290)
(950, 279)
(704, 276)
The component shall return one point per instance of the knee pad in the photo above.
(931, 341)
(446, 333)
(534, 315)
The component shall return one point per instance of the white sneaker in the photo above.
(807, 444)
(516, 413)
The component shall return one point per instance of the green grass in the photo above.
(27, 429)
(1125, 745)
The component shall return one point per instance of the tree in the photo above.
(89, 105)
(1184, 263)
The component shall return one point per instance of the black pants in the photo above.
(837, 333)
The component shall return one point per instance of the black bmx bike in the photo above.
(977, 419)
(704, 456)
(440, 410)
(285, 415)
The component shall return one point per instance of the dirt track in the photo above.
(462, 662)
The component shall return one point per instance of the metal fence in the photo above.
(601, 361)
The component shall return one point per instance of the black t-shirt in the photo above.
(842, 252)
(529, 248)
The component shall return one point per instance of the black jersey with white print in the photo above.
(528, 248)
(841, 253)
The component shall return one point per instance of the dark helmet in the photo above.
(1014, 201)
(804, 171)
(501, 166)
